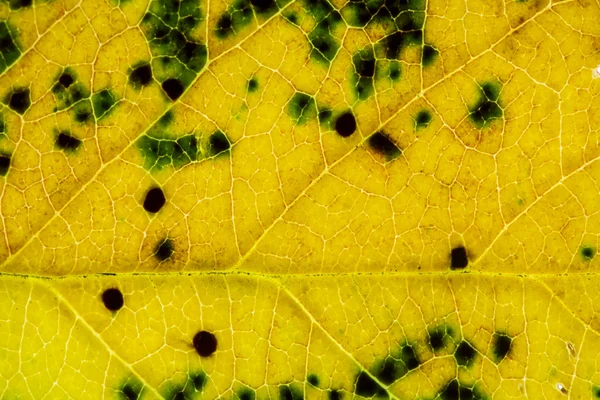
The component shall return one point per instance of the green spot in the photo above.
(188, 389)
(395, 71)
(291, 17)
(381, 143)
(364, 72)
(429, 55)
(218, 143)
(367, 387)
(438, 337)
(162, 152)
(395, 366)
(465, 354)
(501, 345)
(103, 102)
(82, 111)
(252, 85)
(131, 389)
(422, 119)
(454, 390)
(324, 45)
(290, 392)
(245, 394)
(166, 119)
(325, 115)
(486, 109)
(18, 4)
(596, 391)
(313, 379)
(2, 128)
(301, 108)
(587, 253)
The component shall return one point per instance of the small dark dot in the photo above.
(465, 354)
(66, 79)
(423, 119)
(367, 387)
(218, 143)
(345, 125)
(313, 379)
(155, 200)
(164, 250)
(141, 76)
(173, 88)
(205, 343)
(4, 164)
(112, 299)
(65, 141)
(335, 394)
(501, 345)
(19, 100)
(252, 85)
(587, 253)
(458, 258)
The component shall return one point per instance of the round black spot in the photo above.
(66, 79)
(155, 199)
(173, 88)
(112, 299)
(345, 125)
(205, 343)
(458, 258)
(141, 76)
(19, 100)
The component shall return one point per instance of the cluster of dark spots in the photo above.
(252, 85)
(112, 299)
(4, 164)
(159, 153)
(486, 109)
(422, 119)
(290, 392)
(334, 394)
(313, 379)
(438, 337)
(465, 354)
(103, 102)
(366, 386)
(19, 100)
(245, 394)
(456, 391)
(364, 72)
(141, 75)
(428, 55)
(164, 250)
(241, 13)
(67, 92)
(381, 144)
(65, 141)
(154, 200)
(458, 258)
(324, 44)
(395, 71)
(131, 390)
(18, 4)
(173, 88)
(189, 389)
(218, 143)
(205, 343)
(394, 367)
(9, 52)
(587, 253)
(345, 124)
(301, 107)
(501, 346)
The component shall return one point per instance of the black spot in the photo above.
(205, 343)
(501, 346)
(364, 67)
(4, 164)
(381, 144)
(395, 71)
(9, 52)
(264, 6)
(313, 379)
(103, 102)
(141, 75)
(129, 392)
(173, 88)
(367, 387)
(19, 100)
(422, 119)
(458, 258)
(395, 367)
(65, 141)
(438, 337)
(464, 354)
(66, 79)
(587, 253)
(224, 26)
(218, 143)
(486, 109)
(345, 125)
(335, 394)
(301, 107)
(112, 299)
(409, 358)
(252, 85)
(155, 200)
(292, 17)
(18, 4)
(164, 250)
(451, 391)
(429, 55)
(245, 394)
(454, 390)
(290, 393)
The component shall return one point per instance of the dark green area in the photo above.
(82, 111)
(324, 115)
(596, 391)
(501, 345)
(9, 50)
(245, 394)
(292, 17)
(290, 392)
(218, 143)
(68, 91)
(456, 391)
(302, 108)
(381, 143)
(252, 85)
(364, 72)
(19, 99)
(422, 119)
(334, 394)
(4, 164)
(459, 258)
(324, 44)
(131, 389)
(161, 152)
(187, 390)
(166, 119)
(367, 387)
(103, 102)
(241, 13)
(486, 109)
(18, 4)
(141, 75)
(439, 337)
(395, 366)
(67, 142)
(395, 71)
(587, 253)
(173, 88)
(465, 354)
(164, 250)
(429, 55)
(2, 127)
(313, 379)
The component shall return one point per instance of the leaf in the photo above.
(299, 199)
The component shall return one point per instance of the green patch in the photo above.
(252, 85)
(363, 73)
(428, 55)
(422, 119)
(486, 109)
(9, 50)
(290, 392)
(190, 389)
(131, 389)
(439, 337)
(454, 390)
(366, 386)
(313, 379)
(396, 365)
(302, 108)
(325, 115)
(159, 153)
(587, 253)
(82, 111)
(18, 4)
(103, 102)
(395, 71)
(218, 143)
(245, 394)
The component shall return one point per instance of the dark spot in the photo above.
(141, 75)
(264, 6)
(364, 67)
(112, 299)
(422, 119)
(19, 100)
(205, 343)
(66, 79)
(395, 71)
(587, 253)
(103, 102)
(198, 380)
(166, 119)
(313, 379)
(290, 393)
(82, 111)
(324, 115)
(364, 71)
(438, 337)
(501, 346)
(9, 52)
(18, 4)
(381, 144)
(454, 390)
(324, 44)
(596, 391)
(395, 367)
(173, 88)
(252, 85)
(345, 125)
(224, 26)
(486, 109)
(245, 394)
(429, 55)
(451, 391)
(131, 390)
(301, 107)
(458, 258)
(367, 387)
(292, 17)
(65, 141)
(464, 354)
(409, 358)
(154, 200)
(161, 152)
(164, 250)
(335, 394)
(4, 164)
(218, 143)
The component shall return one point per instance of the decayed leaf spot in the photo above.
(205, 343)
(458, 258)
(112, 299)
(154, 200)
